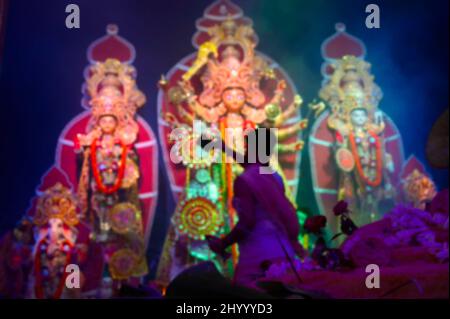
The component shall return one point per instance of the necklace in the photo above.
(39, 289)
(95, 169)
(374, 141)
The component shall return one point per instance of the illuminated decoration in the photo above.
(123, 264)
(417, 187)
(125, 218)
(303, 237)
(226, 84)
(356, 151)
(197, 218)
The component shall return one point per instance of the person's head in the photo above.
(359, 117)
(233, 98)
(107, 124)
(259, 146)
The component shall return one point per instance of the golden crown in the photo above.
(351, 86)
(113, 90)
(56, 202)
(244, 70)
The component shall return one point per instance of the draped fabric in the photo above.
(269, 192)
(270, 221)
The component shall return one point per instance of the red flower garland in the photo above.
(38, 289)
(377, 181)
(95, 170)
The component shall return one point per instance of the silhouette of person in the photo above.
(268, 227)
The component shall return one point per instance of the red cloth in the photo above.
(410, 247)
(432, 280)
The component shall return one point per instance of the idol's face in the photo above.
(359, 117)
(56, 229)
(350, 76)
(107, 124)
(233, 99)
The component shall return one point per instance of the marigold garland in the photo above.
(377, 181)
(114, 188)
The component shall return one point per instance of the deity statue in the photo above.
(109, 173)
(16, 260)
(109, 155)
(354, 147)
(58, 243)
(363, 162)
(232, 97)
(226, 88)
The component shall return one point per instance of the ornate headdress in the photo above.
(351, 86)
(56, 202)
(238, 66)
(112, 91)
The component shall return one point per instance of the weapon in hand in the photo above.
(202, 58)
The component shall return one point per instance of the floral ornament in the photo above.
(197, 218)
(347, 225)
(123, 264)
(326, 258)
(125, 218)
(315, 224)
(340, 208)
